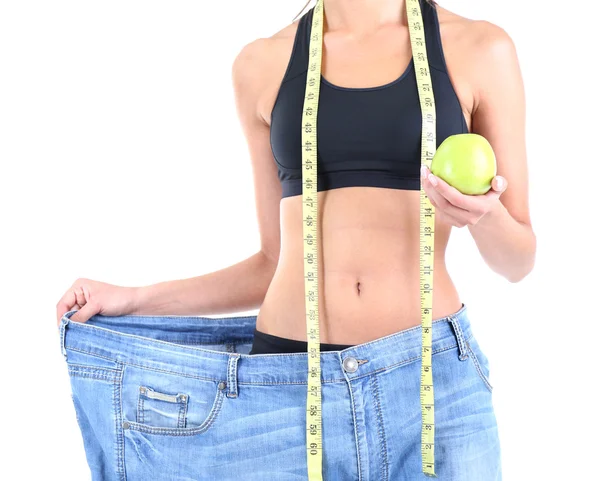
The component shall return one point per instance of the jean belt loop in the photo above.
(62, 327)
(232, 390)
(460, 338)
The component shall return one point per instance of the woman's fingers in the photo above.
(447, 218)
(80, 295)
(89, 297)
(86, 311)
(434, 197)
(76, 297)
(440, 202)
(450, 214)
(476, 204)
(446, 210)
(65, 304)
(499, 184)
(467, 208)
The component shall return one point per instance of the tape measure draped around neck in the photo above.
(314, 444)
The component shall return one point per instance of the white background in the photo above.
(122, 160)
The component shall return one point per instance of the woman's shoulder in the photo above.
(267, 51)
(260, 66)
(479, 38)
(478, 55)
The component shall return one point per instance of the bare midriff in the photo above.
(368, 267)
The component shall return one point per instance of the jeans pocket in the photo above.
(155, 402)
(160, 409)
(480, 361)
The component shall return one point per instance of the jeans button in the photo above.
(350, 364)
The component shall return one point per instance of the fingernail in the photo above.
(423, 171)
(500, 183)
(432, 179)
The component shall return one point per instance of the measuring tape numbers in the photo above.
(426, 231)
(314, 443)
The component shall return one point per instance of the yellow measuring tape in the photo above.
(314, 443)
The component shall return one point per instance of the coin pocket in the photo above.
(161, 409)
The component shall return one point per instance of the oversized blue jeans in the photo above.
(180, 398)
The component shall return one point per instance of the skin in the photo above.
(369, 243)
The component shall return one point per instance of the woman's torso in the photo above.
(369, 236)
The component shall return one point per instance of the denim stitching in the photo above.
(232, 376)
(141, 418)
(215, 410)
(102, 331)
(148, 368)
(356, 442)
(75, 349)
(225, 320)
(63, 349)
(181, 420)
(405, 361)
(267, 383)
(109, 333)
(91, 366)
(479, 370)
(140, 413)
(118, 411)
(92, 373)
(459, 337)
(229, 346)
(380, 430)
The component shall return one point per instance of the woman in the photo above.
(168, 423)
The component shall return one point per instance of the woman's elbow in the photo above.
(525, 267)
(515, 277)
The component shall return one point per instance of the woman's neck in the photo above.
(362, 16)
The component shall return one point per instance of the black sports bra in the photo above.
(366, 136)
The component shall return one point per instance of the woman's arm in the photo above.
(239, 287)
(504, 235)
(242, 286)
(499, 221)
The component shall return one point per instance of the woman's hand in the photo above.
(458, 209)
(93, 297)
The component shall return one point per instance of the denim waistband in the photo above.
(174, 344)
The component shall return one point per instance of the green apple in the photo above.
(466, 162)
